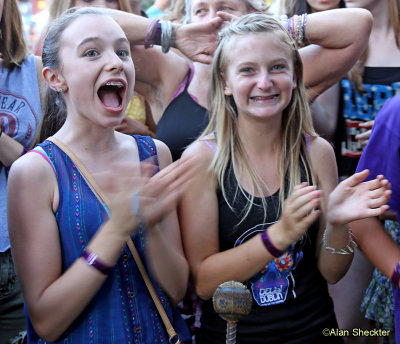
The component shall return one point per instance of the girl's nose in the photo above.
(264, 80)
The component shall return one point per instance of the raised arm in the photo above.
(157, 74)
(337, 38)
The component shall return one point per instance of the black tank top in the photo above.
(291, 303)
(182, 122)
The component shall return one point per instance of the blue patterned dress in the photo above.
(122, 311)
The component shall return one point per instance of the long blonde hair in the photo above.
(296, 118)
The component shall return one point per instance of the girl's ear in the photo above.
(54, 79)
(227, 90)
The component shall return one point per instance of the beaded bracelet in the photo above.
(296, 26)
(346, 250)
(91, 259)
(396, 275)
(270, 246)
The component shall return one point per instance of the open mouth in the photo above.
(112, 94)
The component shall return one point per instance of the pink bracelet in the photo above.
(270, 246)
(396, 275)
(91, 259)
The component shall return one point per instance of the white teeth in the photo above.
(115, 83)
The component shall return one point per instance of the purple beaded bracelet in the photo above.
(396, 275)
(91, 259)
(269, 245)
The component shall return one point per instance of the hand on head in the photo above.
(354, 199)
(198, 41)
(226, 17)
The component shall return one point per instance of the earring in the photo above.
(60, 90)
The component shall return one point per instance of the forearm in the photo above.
(134, 26)
(339, 28)
(332, 265)
(10, 150)
(337, 42)
(238, 264)
(50, 314)
(376, 244)
(167, 262)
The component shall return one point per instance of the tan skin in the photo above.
(89, 133)
(156, 82)
(209, 267)
(260, 134)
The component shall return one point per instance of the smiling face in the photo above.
(204, 10)
(260, 79)
(97, 73)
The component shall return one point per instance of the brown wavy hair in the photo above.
(14, 49)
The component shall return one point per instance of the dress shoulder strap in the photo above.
(41, 152)
(210, 144)
(147, 148)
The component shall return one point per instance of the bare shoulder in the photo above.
(163, 154)
(319, 147)
(203, 150)
(33, 172)
(323, 159)
(31, 164)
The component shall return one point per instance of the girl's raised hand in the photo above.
(161, 192)
(354, 199)
(198, 41)
(139, 195)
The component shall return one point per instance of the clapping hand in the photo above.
(300, 210)
(354, 199)
(136, 194)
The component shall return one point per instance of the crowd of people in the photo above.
(118, 228)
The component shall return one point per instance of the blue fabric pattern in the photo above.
(122, 311)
